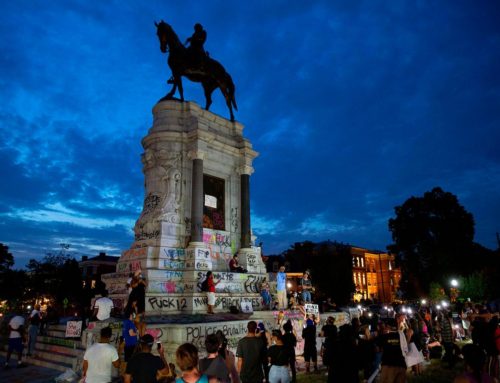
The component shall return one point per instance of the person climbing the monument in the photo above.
(235, 267)
(137, 301)
(208, 285)
(196, 42)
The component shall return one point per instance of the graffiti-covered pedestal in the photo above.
(196, 214)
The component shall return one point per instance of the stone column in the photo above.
(245, 211)
(197, 201)
(197, 254)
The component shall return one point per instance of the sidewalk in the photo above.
(29, 374)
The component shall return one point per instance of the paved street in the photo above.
(29, 374)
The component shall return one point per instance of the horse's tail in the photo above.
(231, 91)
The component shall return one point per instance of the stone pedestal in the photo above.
(184, 230)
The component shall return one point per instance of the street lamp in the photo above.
(454, 283)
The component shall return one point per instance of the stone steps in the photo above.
(53, 350)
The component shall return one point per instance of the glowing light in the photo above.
(404, 309)
(370, 315)
(409, 311)
(29, 307)
(359, 307)
(438, 307)
(424, 302)
(444, 303)
(385, 308)
(454, 283)
(289, 285)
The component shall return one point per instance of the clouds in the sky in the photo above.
(353, 106)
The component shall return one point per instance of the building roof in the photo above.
(102, 257)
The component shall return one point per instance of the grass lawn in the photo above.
(436, 372)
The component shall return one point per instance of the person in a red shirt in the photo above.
(211, 292)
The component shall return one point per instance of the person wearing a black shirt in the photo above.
(250, 352)
(290, 341)
(278, 359)
(145, 367)
(393, 360)
(310, 351)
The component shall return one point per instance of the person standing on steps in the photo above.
(281, 288)
(210, 286)
(17, 337)
(33, 329)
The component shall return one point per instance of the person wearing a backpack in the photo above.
(208, 285)
(214, 365)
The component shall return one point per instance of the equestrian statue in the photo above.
(195, 64)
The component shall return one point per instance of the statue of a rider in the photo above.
(196, 50)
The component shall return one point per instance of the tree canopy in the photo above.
(330, 264)
(433, 239)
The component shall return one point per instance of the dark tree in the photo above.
(6, 258)
(12, 282)
(433, 239)
(333, 271)
(330, 264)
(56, 275)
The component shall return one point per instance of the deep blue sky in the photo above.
(353, 106)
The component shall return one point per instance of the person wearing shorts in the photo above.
(211, 292)
(16, 337)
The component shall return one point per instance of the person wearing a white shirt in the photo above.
(99, 360)
(16, 338)
(103, 307)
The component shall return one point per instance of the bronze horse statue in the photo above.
(208, 71)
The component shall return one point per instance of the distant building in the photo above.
(93, 268)
(375, 275)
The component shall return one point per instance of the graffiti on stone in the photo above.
(167, 303)
(151, 202)
(174, 254)
(134, 253)
(252, 283)
(172, 264)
